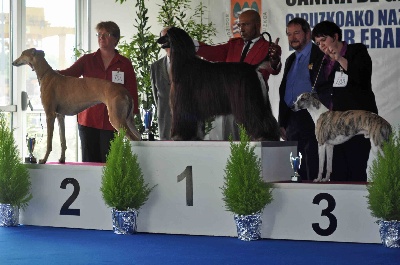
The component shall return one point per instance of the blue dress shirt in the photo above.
(298, 78)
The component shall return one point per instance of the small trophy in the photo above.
(296, 163)
(147, 118)
(30, 143)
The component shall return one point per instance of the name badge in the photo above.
(341, 79)
(118, 77)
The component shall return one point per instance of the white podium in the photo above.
(188, 196)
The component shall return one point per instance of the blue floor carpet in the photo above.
(46, 245)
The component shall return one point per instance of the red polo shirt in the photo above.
(91, 65)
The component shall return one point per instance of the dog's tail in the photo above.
(384, 133)
(130, 109)
(130, 121)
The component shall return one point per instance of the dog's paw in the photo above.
(326, 180)
(42, 161)
(317, 180)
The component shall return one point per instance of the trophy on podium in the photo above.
(147, 118)
(296, 163)
(30, 143)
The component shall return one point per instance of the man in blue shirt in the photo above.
(301, 70)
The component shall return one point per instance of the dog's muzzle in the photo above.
(164, 41)
(294, 108)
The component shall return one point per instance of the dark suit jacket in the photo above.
(315, 64)
(357, 94)
(161, 89)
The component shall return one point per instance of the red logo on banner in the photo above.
(237, 7)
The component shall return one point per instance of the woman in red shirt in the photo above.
(95, 129)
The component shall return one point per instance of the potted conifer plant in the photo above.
(15, 183)
(245, 193)
(122, 185)
(384, 191)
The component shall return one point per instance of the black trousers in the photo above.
(301, 128)
(95, 143)
(350, 160)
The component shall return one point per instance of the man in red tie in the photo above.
(257, 50)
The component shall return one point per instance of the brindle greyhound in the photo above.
(337, 127)
(65, 95)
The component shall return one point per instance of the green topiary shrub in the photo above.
(15, 183)
(244, 190)
(384, 187)
(122, 183)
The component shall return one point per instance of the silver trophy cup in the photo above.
(30, 143)
(296, 163)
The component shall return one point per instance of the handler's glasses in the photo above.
(105, 35)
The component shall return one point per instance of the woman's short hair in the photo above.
(111, 27)
(326, 28)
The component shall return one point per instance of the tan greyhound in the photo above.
(65, 95)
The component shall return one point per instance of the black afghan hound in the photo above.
(202, 89)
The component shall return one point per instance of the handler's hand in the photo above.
(275, 50)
